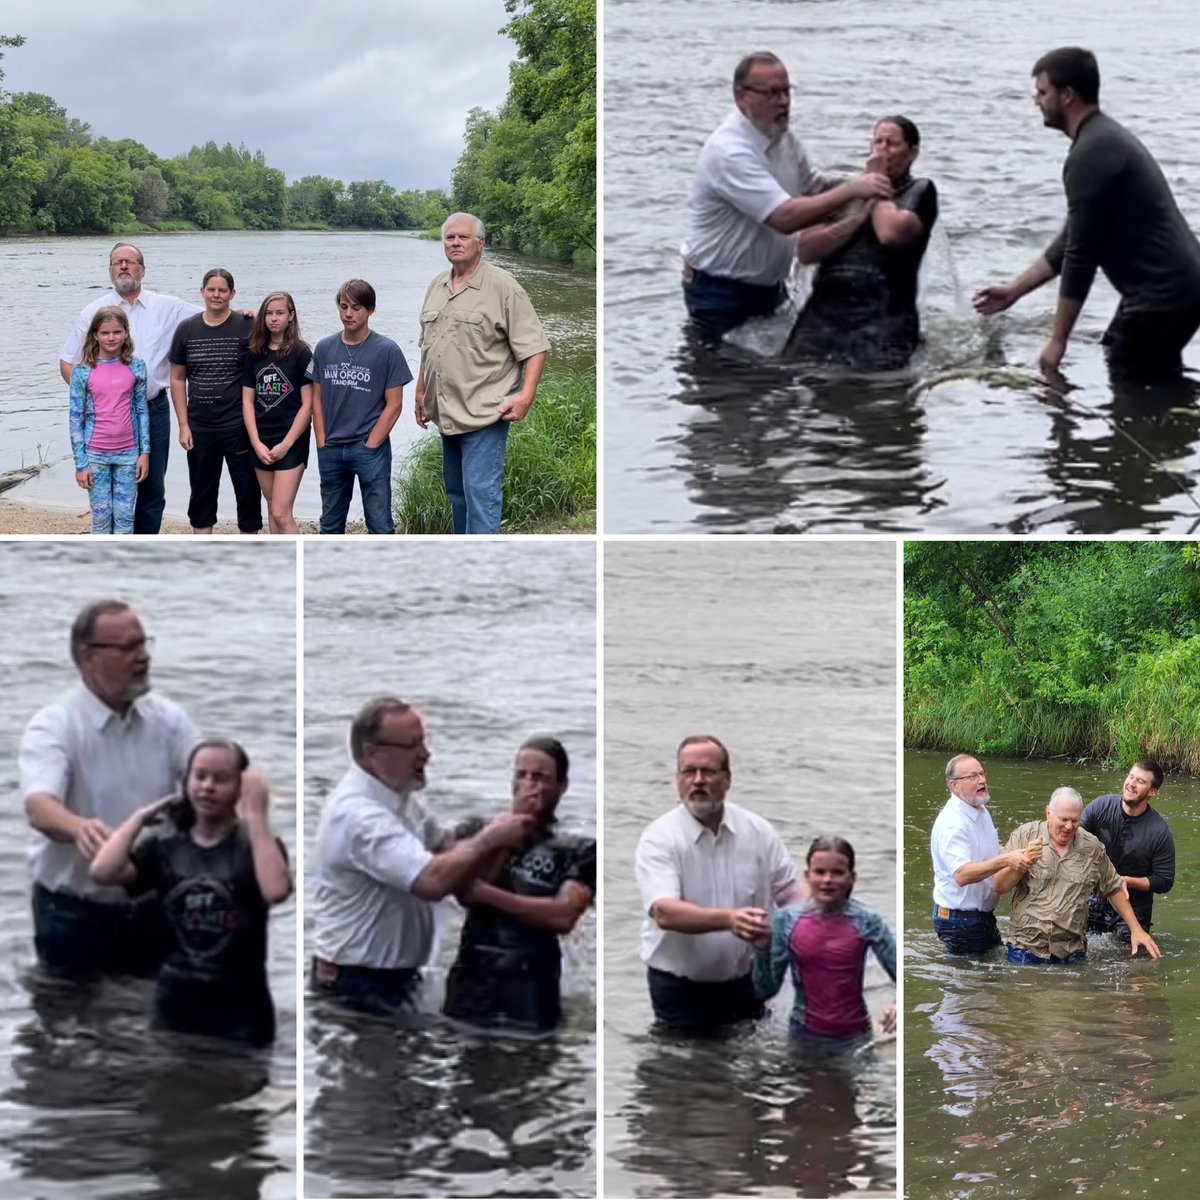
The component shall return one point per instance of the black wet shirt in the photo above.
(1122, 218)
(1140, 846)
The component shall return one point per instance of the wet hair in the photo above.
(91, 343)
(368, 721)
(552, 748)
(742, 71)
(183, 812)
(260, 335)
(224, 274)
(1073, 67)
(1148, 764)
(357, 291)
(141, 260)
(83, 628)
(830, 845)
(908, 130)
(700, 739)
(476, 222)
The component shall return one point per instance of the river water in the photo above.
(50, 280)
(91, 1103)
(1031, 1082)
(495, 643)
(735, 442)
(787, 653)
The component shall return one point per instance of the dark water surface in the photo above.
(1044, 1082)
(787, 653)
(92, 1103)
(50, 280)
(495, 642)
(699, 441)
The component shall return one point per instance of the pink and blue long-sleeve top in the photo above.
(109, 413)
(826, 953)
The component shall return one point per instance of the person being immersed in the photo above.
(862, 313)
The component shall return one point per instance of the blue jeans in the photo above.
(718, 305)
(473, 476)
(366, 989)
(700, 1008)
(152, 491)
(964, 932)
(340, 466)
(1018, 954)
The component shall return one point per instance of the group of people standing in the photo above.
(250, 394)
(756, 206)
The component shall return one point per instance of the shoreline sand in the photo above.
(47, 520)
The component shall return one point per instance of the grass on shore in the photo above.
(549, 468)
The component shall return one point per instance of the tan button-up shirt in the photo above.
(473, 343)
(1049, 904)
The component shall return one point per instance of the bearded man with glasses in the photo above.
(87, 762)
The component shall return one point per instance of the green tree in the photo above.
(92, 194)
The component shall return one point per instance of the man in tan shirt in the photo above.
(482, 354)
(1049, 904)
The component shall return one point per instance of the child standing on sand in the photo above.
(110, 422)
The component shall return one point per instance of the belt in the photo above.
(325, 971)
(946, 913)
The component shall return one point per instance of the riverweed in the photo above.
(549, 468)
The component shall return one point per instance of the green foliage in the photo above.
(1053, 648)
(549, 467)
(528, 171)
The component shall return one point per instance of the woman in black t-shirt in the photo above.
(216, 876)
(277, 406)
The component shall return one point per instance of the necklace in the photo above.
(350, 350)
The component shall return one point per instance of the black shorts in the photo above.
(211, 448)
(297, 456)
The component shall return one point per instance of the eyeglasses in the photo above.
(132, 647)
(703, 772)
(125, 262)
(775, 93)
(419, 744)
(973, 775)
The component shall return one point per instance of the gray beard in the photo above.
(126, 286)
(702, 810)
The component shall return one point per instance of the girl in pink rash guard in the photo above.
(824, 941)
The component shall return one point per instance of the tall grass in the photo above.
(549, 468)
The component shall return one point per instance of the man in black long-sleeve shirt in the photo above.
(1138, 840)
(1122, 219)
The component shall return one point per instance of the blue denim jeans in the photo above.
(152, 492)
(339, 467)
(473, 476)
(698, 1008)
(718, 305)
(365, 989)
(1018, 954)
(967, 932)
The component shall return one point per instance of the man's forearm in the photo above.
(51, 818)
(1124, 910)
(818, 243)
(453, 869)
(977, 872)
(1033, 277)
(1065, 315)
(678, 916)
(557, 913)
(802, 211)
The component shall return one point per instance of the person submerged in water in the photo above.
(862, 313)
(824, 942)
(509, 962)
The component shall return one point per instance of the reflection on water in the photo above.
(1029, 1081)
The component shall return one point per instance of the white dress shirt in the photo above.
(743, 176)
(372, 843)
(742, 865)
(152, 322)
(962, 834)
(97, 763)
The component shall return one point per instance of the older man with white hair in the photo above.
(1050, 899)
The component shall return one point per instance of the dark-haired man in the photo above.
(753, 189)
(1122, 219)
(509, 963)
(709, 873)
(1139, 842)
(87, 761)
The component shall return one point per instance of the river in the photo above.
(787, 653)
(50, 280)
(91, 1102)
(1044, 1082)
(735, 442)
(495, 643)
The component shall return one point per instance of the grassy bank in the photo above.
(549, 468)
(1054, 649)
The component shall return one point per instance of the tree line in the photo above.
(1088, 650)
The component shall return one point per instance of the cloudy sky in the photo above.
(376, 90)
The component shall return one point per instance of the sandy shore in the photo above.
(45, 520)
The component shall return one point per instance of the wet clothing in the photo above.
(701, 1008)
(1026, 958)
(508, 971)
(1123, 219)
(826, 952)
(276, 381)
(963, 914)
(366, 989)
(78, 937)
(1049, 904)
(1140, 846)
(214, 978)
(965, 931)
(862, 312)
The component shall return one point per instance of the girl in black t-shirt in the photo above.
(277, 406)
(216, 875)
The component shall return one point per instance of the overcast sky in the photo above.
(377, 90)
